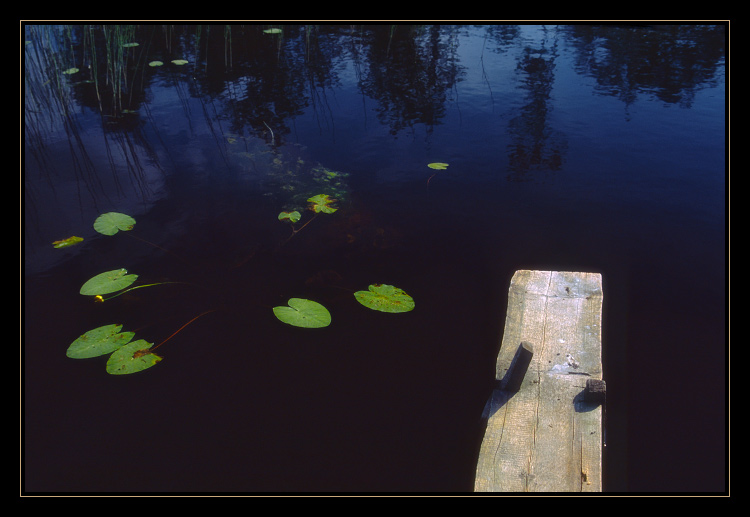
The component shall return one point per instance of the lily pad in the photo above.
(156, 63)
(99, 341)
(273, 31)
(438, 165)
(70, 241)
(303, 313)
(179, 62)
(112, 222)
(131, 358)
(108, 282)
(322, 203)
(385, 298)
(70, 71)
(292, 217)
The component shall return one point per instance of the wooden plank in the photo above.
(547, 435)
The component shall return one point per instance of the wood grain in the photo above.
(547, 437)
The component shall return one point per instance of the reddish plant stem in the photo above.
(182, 327)
(294, 232)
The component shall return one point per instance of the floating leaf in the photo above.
(108, 282)
(99, 341)
(156, 63)
(112, 222)
(322, 203)
(385, 298)
(128, 45)
(70, 71)
(303, 313)
(70, 241)
(131, 358)
(272, 31)
(179, 62)
(438, 165)
(292, 217)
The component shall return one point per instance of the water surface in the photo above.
(586, 148)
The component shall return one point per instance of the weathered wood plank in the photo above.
(547, 435)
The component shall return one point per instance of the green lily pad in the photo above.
(70, 241)
(385, 298)
(99, 341)
(322, 203)
(292, 217)
(131, 358)
(303, 313)
(179, 62)
(156, 63)
(272, 31)
(438, 165)
(112, 222)
(128, 45)
(70, 71)
(108, 282)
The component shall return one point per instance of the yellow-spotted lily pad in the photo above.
(322, 203)
(385, 298)
(70, 241)
(131, 358)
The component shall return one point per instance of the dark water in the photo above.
(586, 148)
